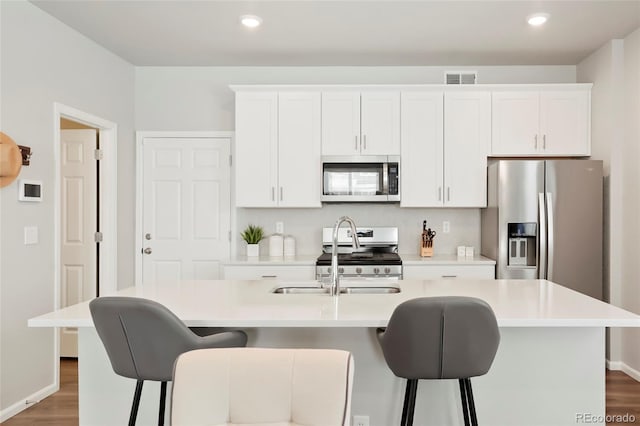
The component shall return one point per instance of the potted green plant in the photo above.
(253, 234)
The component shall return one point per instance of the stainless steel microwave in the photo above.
(347, 179)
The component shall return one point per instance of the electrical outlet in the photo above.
(445, 227)
(360, 420)
(279, 227)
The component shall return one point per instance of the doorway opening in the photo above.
(85, 196)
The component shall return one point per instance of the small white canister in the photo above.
(289, 246)
(276, 245)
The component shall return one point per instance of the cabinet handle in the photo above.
(535, 143)
(449, 276)
(448, 193)
(280, 193)
(273, 193)
(544, 141)
(439, 193)
(364, 138)
(356, 147)
(269, 276)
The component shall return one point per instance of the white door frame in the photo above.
(108, 180)
(140, 136)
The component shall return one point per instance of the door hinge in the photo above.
(97, 237)
(98, 154)
(229, 236)
(230, 160)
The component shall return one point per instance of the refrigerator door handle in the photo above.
(550, 236)
(542, 238)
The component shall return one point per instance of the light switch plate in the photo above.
(30, 235)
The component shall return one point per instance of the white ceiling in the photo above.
(327, 32)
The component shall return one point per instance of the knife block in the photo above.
(426, 251)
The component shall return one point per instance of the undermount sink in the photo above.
(343, 290)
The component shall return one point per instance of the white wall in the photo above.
(604, 68)
(42, 62)
(198, 98)
(631, 272)
(614, 70)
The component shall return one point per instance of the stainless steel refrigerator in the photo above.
(544, 220)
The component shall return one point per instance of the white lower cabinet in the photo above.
(430, 272)
(260, 272)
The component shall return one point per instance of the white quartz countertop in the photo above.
(445, 259)
(516, 303)
(407, 259)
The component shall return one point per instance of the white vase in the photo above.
(253, 250)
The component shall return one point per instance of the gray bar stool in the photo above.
(440, 338)
(143, 339)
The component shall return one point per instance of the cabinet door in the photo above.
(421, 172)
(380, 123)
(564, 122)
(299, 165)
(256, 149)
(515, 123)
(341, 123)
(467, 136)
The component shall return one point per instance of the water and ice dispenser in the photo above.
(522, 244)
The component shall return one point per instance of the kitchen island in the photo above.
(549, 369)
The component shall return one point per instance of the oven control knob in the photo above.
(329, 270)
(387, 270)
(341, 270)
(358, 270)
(376, 271)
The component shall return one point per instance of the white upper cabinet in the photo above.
(421, 153)
(299, 164)
(256, 158)
(445, 141)
(361, 123)
(278, 149)
(541, 123)
(467, 138)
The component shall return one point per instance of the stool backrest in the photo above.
(262, 386)
(142, 337)
(441, 338)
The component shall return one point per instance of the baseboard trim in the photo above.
(22, 405)
(614, 365)
(631, 371)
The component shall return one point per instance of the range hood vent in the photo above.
(460, 77)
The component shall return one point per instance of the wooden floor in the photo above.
(61, 408)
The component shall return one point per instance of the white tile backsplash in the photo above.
(306, 225)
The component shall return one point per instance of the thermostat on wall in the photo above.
(29, 190)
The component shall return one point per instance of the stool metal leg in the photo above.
(163, 398)
(412, 402)
(136, 403)
(463, 398)
(405, 406)
(472, 406)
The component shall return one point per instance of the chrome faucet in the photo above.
(334, 290)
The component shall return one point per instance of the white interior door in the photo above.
(79, 216)
(186, 208)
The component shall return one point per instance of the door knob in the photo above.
(147, 250)
(147, 236)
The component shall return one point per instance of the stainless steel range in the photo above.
(377, 256)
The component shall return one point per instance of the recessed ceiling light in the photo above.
(537, 19)
(251, 21)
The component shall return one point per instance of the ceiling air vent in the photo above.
(460, 77)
